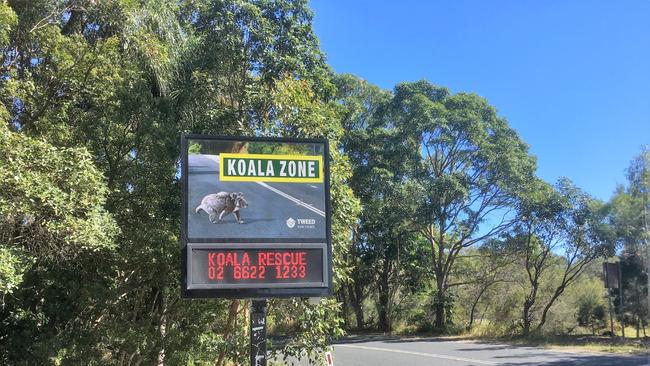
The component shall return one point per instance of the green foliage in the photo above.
(94, 97)
(317, 324)
(465, 162)
(591, 313)
(12, 268)
(277, 149)
(194, 149)
(52, 218)
(385, 249)
(446, 172)
(631, 219)
(560, 233)
(52, 202)
(56, 195)
(8, 19)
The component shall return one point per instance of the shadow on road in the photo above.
(502, 354)
(490, 348)
(580, 360)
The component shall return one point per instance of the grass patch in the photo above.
(580, 343)
(567, 343)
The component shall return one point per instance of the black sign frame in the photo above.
(263, 290)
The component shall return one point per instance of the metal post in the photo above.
(620, 294)
(258, 332)
(611, 314)
(608, 286)
(646, 230)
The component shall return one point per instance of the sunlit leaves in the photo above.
(107, 87)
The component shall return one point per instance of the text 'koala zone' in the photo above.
(281, 168)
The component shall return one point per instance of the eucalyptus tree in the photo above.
(467, 166)
(358, 101)
(561, 227)
(385, 243)
(388, 252)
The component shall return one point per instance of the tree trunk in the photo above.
(474, 304)
(162, 329)
(384, 321)
(230, 324)
(440, 316)
(440, 304)
(527, 320)
(384, 298)
(355, 293)
(527, 317)
(345, 305)
(439, 266)
(558, 291)
(471, 316)
(358, 312)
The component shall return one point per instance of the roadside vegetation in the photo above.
(457, 235)
(440, 224)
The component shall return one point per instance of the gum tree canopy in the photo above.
(560, 224)
(468, 166)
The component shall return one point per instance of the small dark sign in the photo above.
(255, 217)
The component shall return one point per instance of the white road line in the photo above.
(215, 158)
(293, 199)
(431, 355)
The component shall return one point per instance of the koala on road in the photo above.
(216, 205)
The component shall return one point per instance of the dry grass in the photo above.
(581, 343)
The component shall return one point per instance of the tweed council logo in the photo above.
(291, 223)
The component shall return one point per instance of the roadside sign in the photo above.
(329, 360)
(255, 217)
(611, 274)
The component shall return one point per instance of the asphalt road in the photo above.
(269, 205)
(433, 352)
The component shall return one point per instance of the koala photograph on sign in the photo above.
(255, 216)
(255, 190)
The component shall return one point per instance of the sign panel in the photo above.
(255, 217)
(329, 359)
(282, 266)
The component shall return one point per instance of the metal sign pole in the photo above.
(258, 332)
(620, 294)
(608, 286)
(611, 314)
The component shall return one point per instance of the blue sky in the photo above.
(572, 77)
